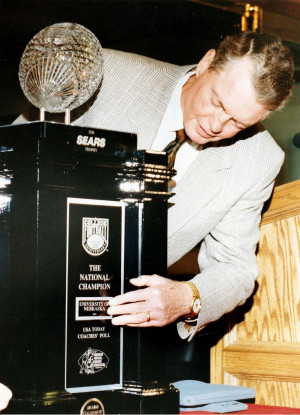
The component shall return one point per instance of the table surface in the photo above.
(254, 409)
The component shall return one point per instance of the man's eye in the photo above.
(240, 127)
(236, 125)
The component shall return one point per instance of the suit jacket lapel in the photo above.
(198, 186)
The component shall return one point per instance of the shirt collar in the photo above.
(173, 118)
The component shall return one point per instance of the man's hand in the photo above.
(161, 302)
(5, 396)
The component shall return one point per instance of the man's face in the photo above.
(217, 105)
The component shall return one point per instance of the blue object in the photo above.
(216, 398)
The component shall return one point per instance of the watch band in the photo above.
(192, 316)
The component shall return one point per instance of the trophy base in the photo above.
(153, 398)
(133, 398)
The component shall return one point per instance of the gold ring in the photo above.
(148, 316)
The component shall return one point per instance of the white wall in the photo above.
(283, 125)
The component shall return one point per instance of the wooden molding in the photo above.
(263, 360)
(285, 203)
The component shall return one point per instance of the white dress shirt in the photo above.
(171, 122)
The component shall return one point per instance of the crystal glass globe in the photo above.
(61, 67)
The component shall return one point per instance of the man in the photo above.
(226, 169)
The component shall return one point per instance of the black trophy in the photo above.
(81, 212)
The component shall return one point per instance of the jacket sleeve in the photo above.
(227, 259)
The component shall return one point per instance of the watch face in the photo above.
(197, 306)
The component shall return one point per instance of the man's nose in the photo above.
(218, 122)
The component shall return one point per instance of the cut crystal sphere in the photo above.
(61, 67)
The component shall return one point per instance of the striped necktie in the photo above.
(172, 148)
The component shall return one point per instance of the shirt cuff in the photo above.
(186, 330)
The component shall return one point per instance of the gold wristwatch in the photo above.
(196, 302)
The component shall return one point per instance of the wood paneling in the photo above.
(262, 346)
(284, 203)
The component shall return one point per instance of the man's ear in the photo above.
(205, 62)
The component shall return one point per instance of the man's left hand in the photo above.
(159, 303)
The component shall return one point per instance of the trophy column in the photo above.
(82, 212)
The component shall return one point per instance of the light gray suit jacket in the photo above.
(219, 199)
